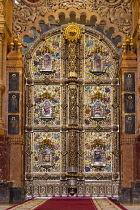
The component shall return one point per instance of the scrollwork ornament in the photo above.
(112, 2)
(34, 3)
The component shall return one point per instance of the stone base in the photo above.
(136, 193)
(17, 195)
(5, 192)
(131, 195)
(126, 195)
(8, 194)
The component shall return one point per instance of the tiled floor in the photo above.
(127, 206)
(132, 206)
(5, 206)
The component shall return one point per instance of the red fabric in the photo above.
(67, 204)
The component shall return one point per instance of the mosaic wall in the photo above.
(54, 138)
(90, 43)
(90, 137)
(54, 91)
(107, 91)
(54, 44)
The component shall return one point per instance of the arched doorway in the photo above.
(72, 114)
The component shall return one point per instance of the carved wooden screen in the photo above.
(72, 114)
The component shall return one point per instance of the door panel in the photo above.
(72, 115)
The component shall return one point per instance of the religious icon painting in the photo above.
(130, 124)
(13, 124)
(13, 103)
(129, 82)
(13, 81)
(129, 100)
(98, 110)
(46, 157)
(46, 109)
(47, 63)
(46, 154)
(98, 64)
(98, 157)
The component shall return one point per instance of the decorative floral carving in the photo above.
(119, 12)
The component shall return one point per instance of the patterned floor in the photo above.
(101, 204)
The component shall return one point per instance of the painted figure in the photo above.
(98, 110)
(98, 157)
(129, 82)
(97, 63)
(13, 125)
(46, 109)
(13, 81)
(130, 124)
(46, 156)
(130, 103)
(14, 103)
(47, 63)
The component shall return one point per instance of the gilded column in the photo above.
(72, 34)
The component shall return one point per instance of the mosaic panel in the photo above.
(90, 137)
(13, 124)
(130, 124)
(54, 44)
(13, 103)
(129, 81)
(54, 138)
(129, 100)
(54, 92)
(90, 43)
(13, 81)
(107, 93)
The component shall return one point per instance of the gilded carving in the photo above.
(118, 12)
(72, 32)
(72, 131)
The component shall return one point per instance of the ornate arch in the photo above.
(116, 15)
